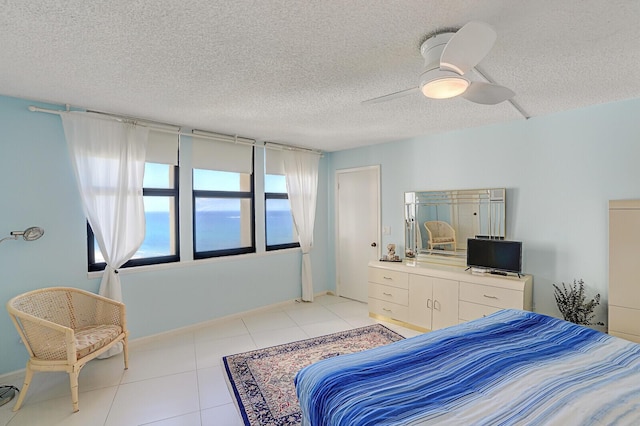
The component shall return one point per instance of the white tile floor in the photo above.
(178, 380)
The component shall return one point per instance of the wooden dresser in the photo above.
(429, 296)
(624, 285)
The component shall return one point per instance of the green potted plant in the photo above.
(573, 303)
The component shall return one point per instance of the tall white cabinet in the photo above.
(430, 297)
(624, 284)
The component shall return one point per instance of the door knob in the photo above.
(373, 244)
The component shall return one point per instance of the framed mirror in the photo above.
(438, 223)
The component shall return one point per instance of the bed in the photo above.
(511, 367)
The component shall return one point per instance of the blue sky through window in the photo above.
(159, 176)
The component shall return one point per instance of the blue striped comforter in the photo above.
(512, 367)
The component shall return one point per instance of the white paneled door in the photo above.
(358, 228)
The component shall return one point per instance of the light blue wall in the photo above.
(559, 171)
(38, 188)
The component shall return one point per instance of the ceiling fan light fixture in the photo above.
(440, 84)
(445, 88)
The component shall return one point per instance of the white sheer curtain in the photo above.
(108, 159)
(301, 171)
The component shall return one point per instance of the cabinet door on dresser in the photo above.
(445, 303)
(433, 302)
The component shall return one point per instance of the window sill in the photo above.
(190, 263)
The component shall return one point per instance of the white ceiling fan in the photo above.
(449, 58)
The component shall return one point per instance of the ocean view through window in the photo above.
(160, 196)
(279, 226)
(223, 213)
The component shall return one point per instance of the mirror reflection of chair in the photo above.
(63, 328)
(440, 234)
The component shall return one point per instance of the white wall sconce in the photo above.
(30, 234)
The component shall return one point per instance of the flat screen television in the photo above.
(494, 255)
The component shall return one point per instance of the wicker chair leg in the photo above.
(125, 350)
(73, 379)
(25, 387)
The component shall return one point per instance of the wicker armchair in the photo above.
(63, 329)
(440, 234)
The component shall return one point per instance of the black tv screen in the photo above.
(499, 255)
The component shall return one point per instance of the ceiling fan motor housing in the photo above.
(435, 82)
(431, 49)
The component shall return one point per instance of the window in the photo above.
(279, 226)
(223, 207)
(223, 213)
(160, 195)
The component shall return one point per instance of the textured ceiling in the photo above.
(295, 71)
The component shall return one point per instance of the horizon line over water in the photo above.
(218, 230)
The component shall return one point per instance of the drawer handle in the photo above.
(490, 297)
(387, 278)
(387, 310)
(387, 294)
(429, 304)
(438, 306)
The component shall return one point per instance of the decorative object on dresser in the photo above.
(391, 255)
(624, 287)
(262, 380)
(573, 304)
(427, 296)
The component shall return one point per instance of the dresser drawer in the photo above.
(389, 293)
(468, 311)
(387, 277)
(388, 309)
(491, 296)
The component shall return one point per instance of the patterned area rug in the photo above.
(262, 380)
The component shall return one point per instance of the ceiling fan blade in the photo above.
(487, 93)
(468, 47)
(391, 96)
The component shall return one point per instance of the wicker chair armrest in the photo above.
(44, 339)
(32, 319)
